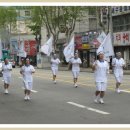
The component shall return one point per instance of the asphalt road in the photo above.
(61, 103)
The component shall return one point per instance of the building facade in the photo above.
(121, 30)
(22, 37)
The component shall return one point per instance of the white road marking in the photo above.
(126, 91)
(89, 108)
(34, 91)
(3, 80)
(75, 104)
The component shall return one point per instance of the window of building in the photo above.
(125, 8)
(121, 23)
(93, 23)
(27, 13)
(92, 11)
(120, 8)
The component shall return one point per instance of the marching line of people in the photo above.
(101, 71)
(100, 68)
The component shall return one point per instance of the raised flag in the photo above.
(101, 37)
(106, 47)
(69, 50)
(47, 48)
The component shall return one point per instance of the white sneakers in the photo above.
(75, 85)
(99, 101)
(26, 98)
(118, 90)
(54, 81)
(6, 91)
(95, 100)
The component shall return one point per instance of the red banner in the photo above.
(30, 47)
(78, 42)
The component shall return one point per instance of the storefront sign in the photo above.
(81, 42)
(78, 41)
(122, 38)
(85, 46)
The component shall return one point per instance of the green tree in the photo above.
(8, 17)
(57, 19)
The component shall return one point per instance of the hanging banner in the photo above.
(122, 38)
(30, 47)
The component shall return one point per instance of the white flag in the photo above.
(47, 48)
(69, 50)
(106, 47)
(0, 49)
(101, 37)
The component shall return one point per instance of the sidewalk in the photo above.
(65, 68)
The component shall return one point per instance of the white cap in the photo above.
(101, 52)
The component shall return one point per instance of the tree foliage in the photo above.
(57, 19)
(7, 16)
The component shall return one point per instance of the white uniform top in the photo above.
(27, 73)
(101, 71)
(55, 63)
(75, 64)
(118, 66)
(6, 70)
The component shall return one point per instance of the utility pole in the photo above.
(111, 25)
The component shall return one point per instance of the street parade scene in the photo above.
(64, 64)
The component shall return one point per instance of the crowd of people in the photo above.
(100, 68)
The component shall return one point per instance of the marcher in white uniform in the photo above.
(101, 68)
(6, 68)
(27, 71)
(54, 66)
(76, 61)
(118, 63)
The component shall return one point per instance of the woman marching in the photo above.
(6, 69)
(54, 66)
(118, 63)
(101, 68)
(76, 61)
(27, 71)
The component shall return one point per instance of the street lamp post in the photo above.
(111, 25)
